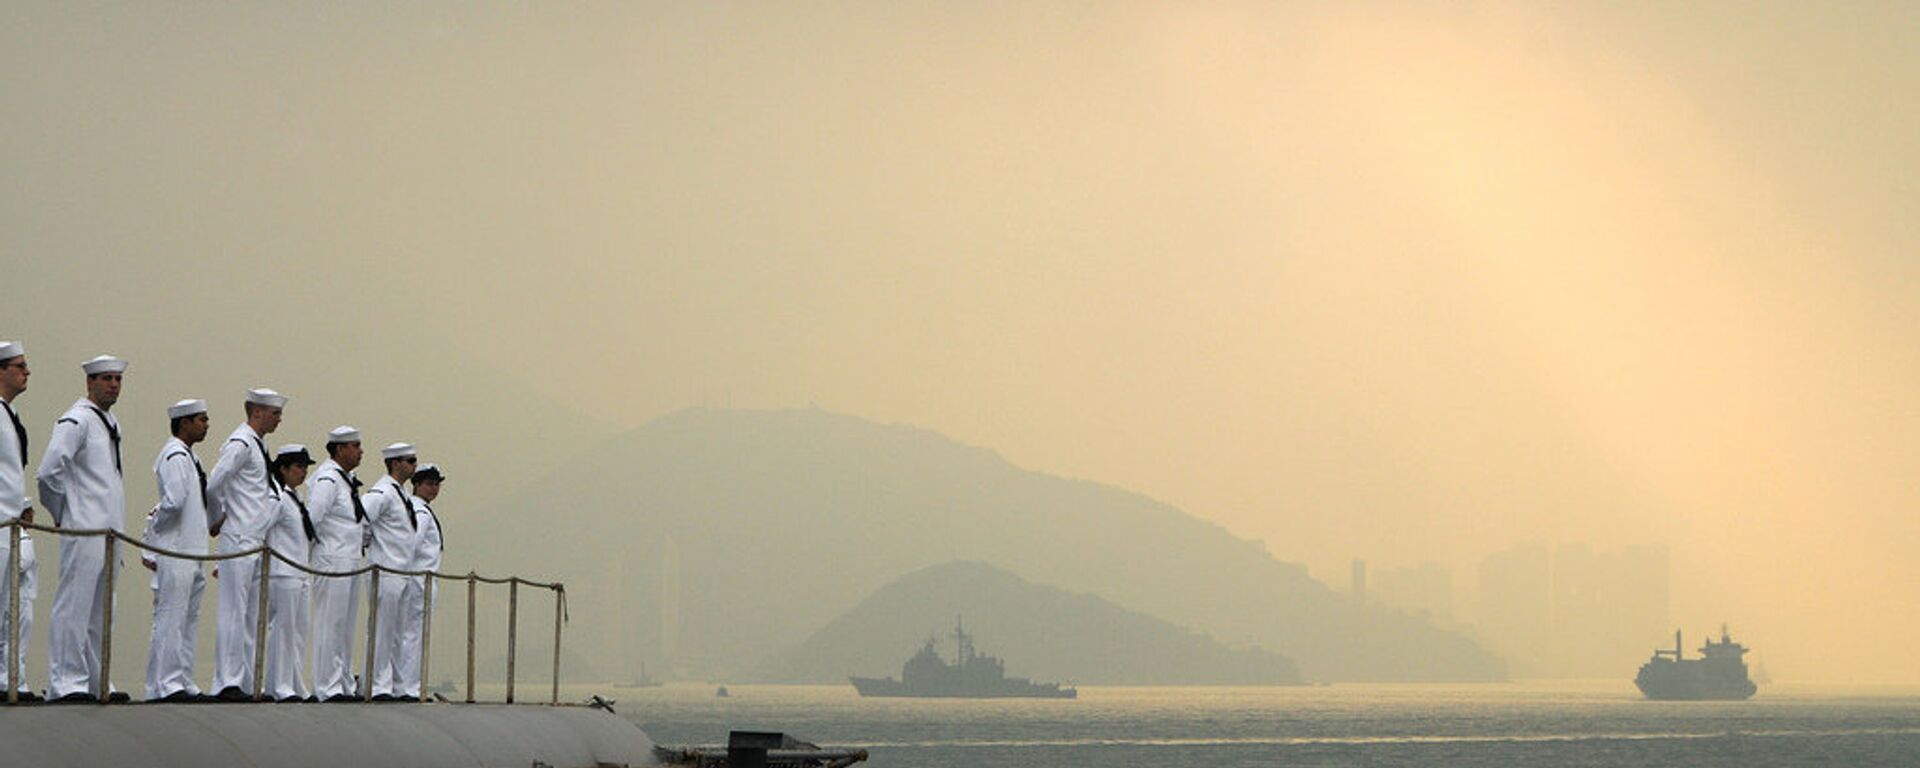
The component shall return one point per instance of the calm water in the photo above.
(1521, 724)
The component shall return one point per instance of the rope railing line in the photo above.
(255, 552)
(15, 527)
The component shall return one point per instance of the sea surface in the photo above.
(1543, 724)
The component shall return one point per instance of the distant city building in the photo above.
(1357, 586)
(1425, 589)
(1568, 611)
(669, 601)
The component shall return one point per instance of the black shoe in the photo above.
(384, 698)
(177, 697)
(204, 698)
(26, 697)
(233, 695)
(290, 700)
(119, 697)
(310, 700)
(77, 698)
(343, 698)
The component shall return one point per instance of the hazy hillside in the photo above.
(1040, 632)
(707, 540)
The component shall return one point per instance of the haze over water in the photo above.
(1558, 724)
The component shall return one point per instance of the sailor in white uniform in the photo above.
(390, 511)
(82, 489)
(333, 496)
(178, 523)
(242, 495)
(426, 557)
(15, 505)
(290, 535)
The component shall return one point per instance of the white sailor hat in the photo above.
(186, 408)
(428, 473)
(104, 364)
(266, 397)
(10, 349)
(343, 434)
(397, 451)
(294, 451)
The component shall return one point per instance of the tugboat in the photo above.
(1720, 673)
(972, 676)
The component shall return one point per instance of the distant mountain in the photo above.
(706, 541)
(1039, 631)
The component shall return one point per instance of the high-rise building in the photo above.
(1569, 611)
(1358, 585)
(1425, 589)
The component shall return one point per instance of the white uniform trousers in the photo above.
(389, 627)
(411, 631)
(73, 639)
(287, 607)
(178, 586)
(239, 614)
(336, 602)
(29, 589)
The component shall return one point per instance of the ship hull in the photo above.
(887, 687)
(1693, 681)
(1671, 691)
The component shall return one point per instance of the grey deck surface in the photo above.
(318, 735)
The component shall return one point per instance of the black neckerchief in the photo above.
(18, 431)
(266, 465)
(353, 487)
(112, 432)
(412, 515)
(202, 473)
(436, 525)
(306, 521)
(187, 453)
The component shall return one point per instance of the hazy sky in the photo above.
(1395, 281)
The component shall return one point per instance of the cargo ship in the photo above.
(970, 676)
(1719, 674)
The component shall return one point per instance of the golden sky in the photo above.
(1396, 281)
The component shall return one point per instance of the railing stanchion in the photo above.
(513, 630)
(472, 585)
(260, 627)
(373, 625)
(13, 614)
(559, 613)
(426, 633)
(106, 620)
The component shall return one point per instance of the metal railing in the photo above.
(266, 555)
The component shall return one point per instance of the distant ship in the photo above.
(972, 676)
(1720, 673)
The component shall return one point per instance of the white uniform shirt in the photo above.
(426, 553)
(80, 483)
(241, 492)
(331, 503)
(13, 467)
(394, 526)
(179, 521)
(287, 535)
